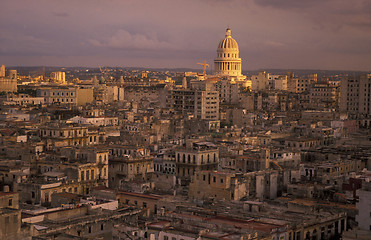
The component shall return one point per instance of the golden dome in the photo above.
(228, 42)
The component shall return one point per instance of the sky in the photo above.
(288, 34)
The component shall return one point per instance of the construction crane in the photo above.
(205, 65)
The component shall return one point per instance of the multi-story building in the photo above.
(194, 157)
(10, 215)
(9, 84)
(355, 95)
(202, 104)
(127, 163)
(66, 95)
(324, 94)
(68, 135)
(303, 84)
(216, 185)
(22, 100)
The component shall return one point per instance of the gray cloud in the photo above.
(123, 39)
(281, 33)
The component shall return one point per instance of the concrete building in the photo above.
(216, 185)
(68, 135)
(66, 95)
(201, 104)
(129, 163)
(194, 157)
(324, 94)
(9, 84)
(259, 82)
(355, 95)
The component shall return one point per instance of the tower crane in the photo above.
(205, 65)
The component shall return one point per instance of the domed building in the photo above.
(228, 62)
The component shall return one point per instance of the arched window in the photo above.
(189, 158)
(202, 159)
(183, 158)
(194, 159)
(178, 157)
(208, 158)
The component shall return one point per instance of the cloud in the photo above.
(274, 44)
(288, 3)
(123, 39)
(60, 14)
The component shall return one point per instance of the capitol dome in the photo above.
(227, 62)
(228, 41)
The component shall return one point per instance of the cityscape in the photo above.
(219, 145)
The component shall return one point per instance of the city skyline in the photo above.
(332, 35)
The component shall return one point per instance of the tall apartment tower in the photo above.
(355, 95)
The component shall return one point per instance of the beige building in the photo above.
(196, 156)
(128, 163)
(8, 84)
(66, 95)
(10, 216)
(59, 136)
(215, 185)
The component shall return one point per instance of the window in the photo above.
(166, 238)
(89, 229)
(144, 204)
(101, 227)
(33, 194)
(214, 179)
(10, 203)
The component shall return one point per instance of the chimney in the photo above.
(6, 188)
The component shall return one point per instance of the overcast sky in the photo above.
(295, 34)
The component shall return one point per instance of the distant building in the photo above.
(9, 84)
(58, 77)
(2, 71)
